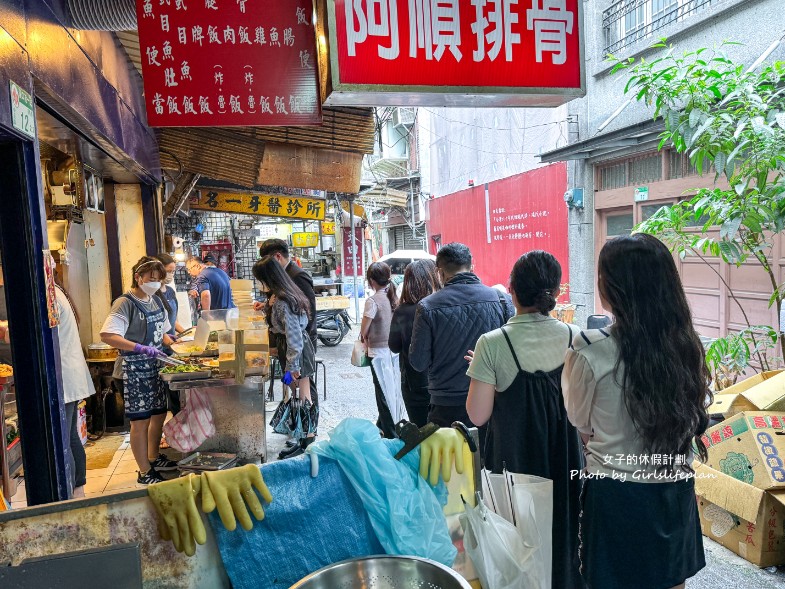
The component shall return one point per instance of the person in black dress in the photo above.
(419, 280)
(516, 389)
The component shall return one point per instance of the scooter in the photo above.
(331, 326)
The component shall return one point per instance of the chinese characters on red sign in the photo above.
(524, 45)
(228, 62)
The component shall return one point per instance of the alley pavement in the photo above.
(350, 394)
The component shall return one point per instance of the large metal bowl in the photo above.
(384, 572)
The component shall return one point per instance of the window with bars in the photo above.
(632, 172)
(680, 166)
(613, 176)
(627, 21)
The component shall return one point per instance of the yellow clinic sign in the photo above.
(328, 228)
(266, 205)
(305, 239)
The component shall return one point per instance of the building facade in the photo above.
(613, 150)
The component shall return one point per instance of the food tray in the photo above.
(207, 461)
(196, 375)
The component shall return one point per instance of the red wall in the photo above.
(527, 212)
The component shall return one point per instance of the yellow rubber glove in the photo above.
(230, 490)
(178, 517)
(443, 448)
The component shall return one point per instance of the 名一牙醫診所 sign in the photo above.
(267, 205)
(455, 52)
(228, 63)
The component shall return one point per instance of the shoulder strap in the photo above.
(569, 337)
(512, 350)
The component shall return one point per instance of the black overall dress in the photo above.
(529, 433)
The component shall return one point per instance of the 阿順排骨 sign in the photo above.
(455, 52)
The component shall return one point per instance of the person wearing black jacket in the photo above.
(419, 280)
(447, 325)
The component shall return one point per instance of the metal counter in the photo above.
(238, 414)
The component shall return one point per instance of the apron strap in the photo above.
(512, 350)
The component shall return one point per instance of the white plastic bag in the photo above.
(526, 502)
(532, 504)
(388, 371)
(193, 425)
(359, 357)
(497, 550)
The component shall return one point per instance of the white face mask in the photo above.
(169, 278)
(150, 288)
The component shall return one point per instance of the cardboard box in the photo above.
(744, 519)
(739, 397)
(750, 447)
(764, 391)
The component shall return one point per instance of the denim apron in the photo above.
(144, 392)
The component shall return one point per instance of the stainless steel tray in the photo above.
(175, 376)
(208, 461)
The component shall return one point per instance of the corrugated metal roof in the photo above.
(130, 42)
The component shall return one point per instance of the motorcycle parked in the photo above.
(331, 326)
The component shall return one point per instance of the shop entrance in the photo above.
(30, 397)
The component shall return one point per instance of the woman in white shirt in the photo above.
(516, 389)
(637, 393)
(77, 385)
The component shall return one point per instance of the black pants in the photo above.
(76, 454)
(444, 415)
(416, 398)
(385, 420)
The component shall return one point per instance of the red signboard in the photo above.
(456, 52)
(222, 63)
(348, 260)
(521, 213)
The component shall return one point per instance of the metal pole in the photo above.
(354, 261)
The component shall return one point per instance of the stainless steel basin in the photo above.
(384, 572)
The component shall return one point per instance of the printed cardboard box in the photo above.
(735, 399)
(750, 447)
(744, 519)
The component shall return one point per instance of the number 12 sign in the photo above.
(455, 52)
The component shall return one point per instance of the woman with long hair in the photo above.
(289, 310)
(516, 389)
(375, 333)
(137, 326)
(419, 280)
(637, 392)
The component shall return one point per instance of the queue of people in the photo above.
(584, 409)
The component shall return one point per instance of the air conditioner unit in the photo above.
(403, 117)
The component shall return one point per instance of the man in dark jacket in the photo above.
(448, 324)
(279, 249)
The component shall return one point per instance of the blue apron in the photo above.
(144, 392)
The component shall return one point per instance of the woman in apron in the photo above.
(516, 389)
(137, 326)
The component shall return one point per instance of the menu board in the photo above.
(212, 63)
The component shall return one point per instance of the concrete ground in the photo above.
(350, 394)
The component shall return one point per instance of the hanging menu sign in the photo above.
(209, 63)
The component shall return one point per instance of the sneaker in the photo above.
(149, 478)
(163, 464)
